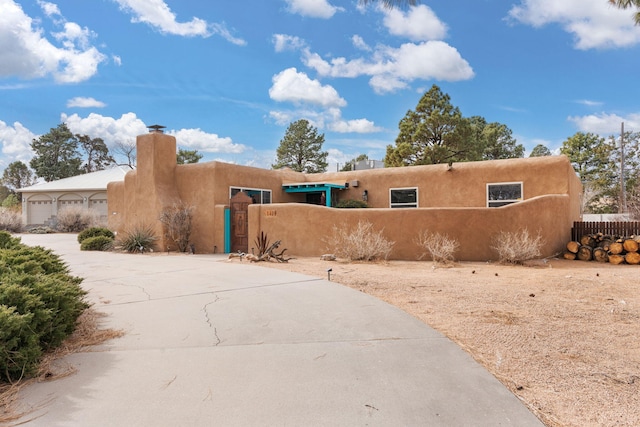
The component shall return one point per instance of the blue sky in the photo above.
(227, 78)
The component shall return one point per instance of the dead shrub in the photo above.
(361, 243)
(76, 218)
(440, 247)
(176, 220)
(10, 220)
(518, 246)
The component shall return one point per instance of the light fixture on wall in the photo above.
(365, 195)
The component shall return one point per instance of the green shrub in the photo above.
(140, 239)
(19, 346)
(94, 232)
(7, 241)
(352, 203)
(97, 243)
(40, 303)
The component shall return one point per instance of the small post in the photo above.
(329, 274)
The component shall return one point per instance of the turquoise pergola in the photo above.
(314, 187)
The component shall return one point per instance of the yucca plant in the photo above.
(138, 240)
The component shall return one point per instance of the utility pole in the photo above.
(623, 194)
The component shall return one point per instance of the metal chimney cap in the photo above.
(156, 128)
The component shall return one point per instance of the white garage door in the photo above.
(39, 211)
(99, 205)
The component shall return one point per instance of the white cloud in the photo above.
(593, 23)
(606, 123)
(25, 53)
(313, 8)
(418, 23)
(129, 126)
(49, 9)
(16, 142)
(359, 43)
(157, 14)
(392, 69)
(589, 103)
(293, 86)
(197, 139)
(354, 126)
(222, 30)
(327, 119)
(284, 42)
(82, 102)
(124, 129)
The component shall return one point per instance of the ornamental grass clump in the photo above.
(139, 239)
(361, 243)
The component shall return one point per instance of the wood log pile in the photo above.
(600, 247)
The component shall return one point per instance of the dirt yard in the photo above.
(564, 336)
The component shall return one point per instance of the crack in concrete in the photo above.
(208, 320)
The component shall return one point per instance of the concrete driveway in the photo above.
(212, 343)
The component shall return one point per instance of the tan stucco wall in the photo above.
(450, 201)
(305, 229)
(463, 186)
(149, 189)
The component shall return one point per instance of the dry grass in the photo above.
(440, 247)
(10, 220)
(176, 220)
(518, 246)
(361, 243)
(76, 218)
(87, 334)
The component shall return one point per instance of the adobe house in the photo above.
(470, 202)
(41, 202)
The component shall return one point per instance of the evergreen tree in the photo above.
(96, 152)
(301, 149)
(434, 133)
(188, 156)
(540, 150)
(17, 175)
(56, 154)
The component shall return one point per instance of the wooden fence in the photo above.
(613, 228)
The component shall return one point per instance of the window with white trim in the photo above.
(258, 195)
(403, 197)
(503, 193)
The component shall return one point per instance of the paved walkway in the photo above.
(212, 343)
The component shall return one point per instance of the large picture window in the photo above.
(403, 197)
(503, 193)
(258, 195)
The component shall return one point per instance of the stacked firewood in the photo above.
(605, 248)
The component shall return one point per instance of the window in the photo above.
(503, 193)
(258, 195)
(403, 197)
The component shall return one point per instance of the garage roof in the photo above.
(89, 181)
